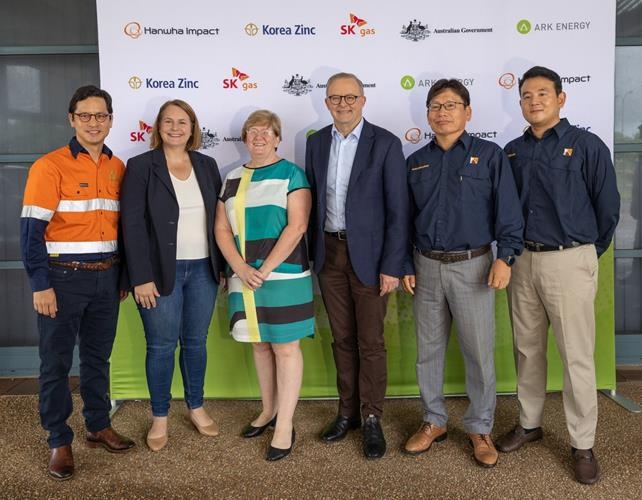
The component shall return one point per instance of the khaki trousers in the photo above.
(556, 288)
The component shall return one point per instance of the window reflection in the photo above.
(628, 94)
(23, 85)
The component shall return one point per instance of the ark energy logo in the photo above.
(252, 29)
(415, 31)
(142, 134)
(524, 26)
(239, 81)
(135, 30)
(356, 27)
(136, 82)
(408, 82)
(297, 85)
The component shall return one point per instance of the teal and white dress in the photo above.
(282, 309)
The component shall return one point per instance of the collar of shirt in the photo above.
(356, 132)
(560, 129)
(464, 139)
(76, 148)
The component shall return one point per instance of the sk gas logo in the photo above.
(356, 27)
(238, 81)
(143, 131)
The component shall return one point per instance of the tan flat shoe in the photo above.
(158, 443)
(210, 430)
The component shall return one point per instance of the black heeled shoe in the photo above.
(250, 431)
(274, 454)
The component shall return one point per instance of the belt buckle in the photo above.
(447, 258)
(341, 235)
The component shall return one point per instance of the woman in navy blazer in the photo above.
(168, 202)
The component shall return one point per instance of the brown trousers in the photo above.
(356, 313)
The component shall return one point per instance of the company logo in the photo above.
(356, 27)
(238, 81)
(576, 79)
(415, 31)
(523, 26)
(133, 29)
(407, 82)
(413, 135)
(142, 133)
(252, 29)
(297, 85)
(209, 139)
(136, 82)
(310, 132)
(507, 80)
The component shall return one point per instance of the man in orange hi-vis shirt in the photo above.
(69, 240)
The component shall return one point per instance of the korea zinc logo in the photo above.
(357, 27)
(239, 81)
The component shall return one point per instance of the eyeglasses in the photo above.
(255, 132)
(85, 117)
(349, 99)
(434, 107)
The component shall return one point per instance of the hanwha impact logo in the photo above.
(251, 29)
(133, 30)
(415, 31)
(507, 81)
(414, 135)
(135, 82)
(297, 85)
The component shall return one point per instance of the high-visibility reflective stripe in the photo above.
(58, 247)
(36, 212)
(88, 205)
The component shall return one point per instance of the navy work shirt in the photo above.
(567, 187)
(464, 198)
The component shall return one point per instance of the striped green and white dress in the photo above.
(282, 309)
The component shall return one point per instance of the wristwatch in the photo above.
(509, 259)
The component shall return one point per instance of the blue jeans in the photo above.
(88, 310)
(183, 316)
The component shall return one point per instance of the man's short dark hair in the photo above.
(90, 91)
(448, 84)
(547, 73)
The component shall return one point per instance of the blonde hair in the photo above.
(262, 117)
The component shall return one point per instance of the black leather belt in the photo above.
(533, 246)
(340, 235)
(101, 265)
(450, 257)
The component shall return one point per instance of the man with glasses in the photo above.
(357, 235)
(69, 234)
(567, 186)
(463, 197)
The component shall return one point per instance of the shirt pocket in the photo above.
(423, 181)
(475, 184)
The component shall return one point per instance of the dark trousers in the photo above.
(87, 311)
(356, 313)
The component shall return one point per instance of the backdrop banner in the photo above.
(228, 61)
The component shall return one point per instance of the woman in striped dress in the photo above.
(261, 218)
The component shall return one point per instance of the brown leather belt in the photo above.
(451, 257)
(101, 265)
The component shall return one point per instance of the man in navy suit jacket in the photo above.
(358, 237)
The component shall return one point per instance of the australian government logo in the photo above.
(209, 139)
(297, 85)
(134, 30)
(415, 31)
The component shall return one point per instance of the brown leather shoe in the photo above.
(513, 440)
(61, 463)
(109, 439)
(483, 450)
(421, 440)
(585, 465)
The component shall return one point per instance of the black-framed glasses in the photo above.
(434, 107)
(349, 99)
(85, 117)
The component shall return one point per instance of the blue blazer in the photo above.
(149, 216)
(377, 205)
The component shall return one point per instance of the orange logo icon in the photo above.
(355, 20)
(239, 74)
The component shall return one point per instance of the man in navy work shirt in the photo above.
(566, 183)
(463, 198)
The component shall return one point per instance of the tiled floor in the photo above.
(16, 386)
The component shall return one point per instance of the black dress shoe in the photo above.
(249, 431)
(338, 429)
(61, 463)
(273, 454)
(374, 444)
